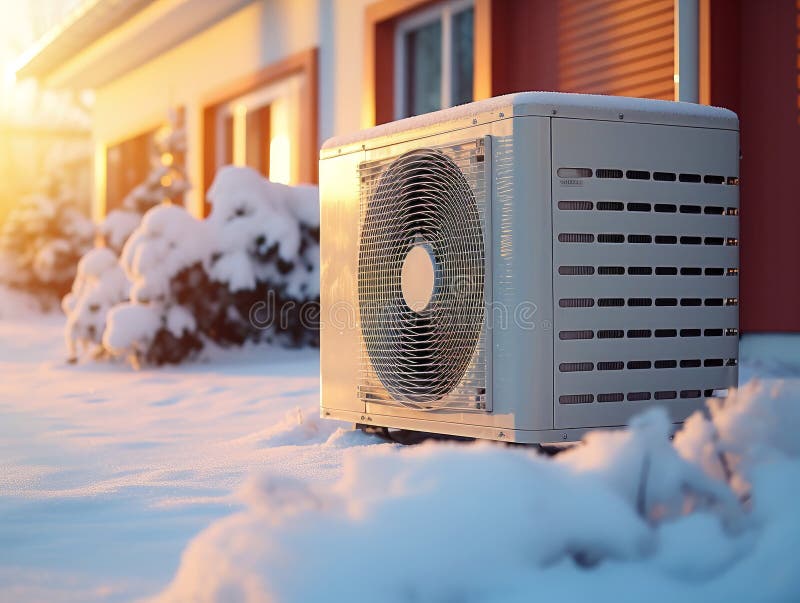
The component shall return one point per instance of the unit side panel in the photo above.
(645, 269)
(340, 339)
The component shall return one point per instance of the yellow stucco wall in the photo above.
(241, 44)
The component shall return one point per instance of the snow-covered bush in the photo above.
(151, 333)
(249, 272)
(153, 327)
(99, 285)
(117, 226)
(266, 238)
(41, 241)
(626, 516)
(168, 240)
(164, 185)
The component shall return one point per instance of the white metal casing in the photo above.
(538, 372)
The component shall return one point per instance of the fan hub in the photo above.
(418, 277)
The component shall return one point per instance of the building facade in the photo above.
(263, 82)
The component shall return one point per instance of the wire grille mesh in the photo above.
(434, 357)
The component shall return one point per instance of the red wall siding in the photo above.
(754, 66)
(754, 71)
(524, 45)
(622, 47)
(618, 47)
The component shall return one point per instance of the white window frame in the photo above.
(443, 11)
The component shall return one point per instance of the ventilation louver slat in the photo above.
(689, 234)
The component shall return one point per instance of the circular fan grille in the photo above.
(421, 200)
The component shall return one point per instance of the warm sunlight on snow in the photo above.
(315, 301)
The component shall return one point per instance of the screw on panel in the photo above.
(502, 115)
(474, 122)
(621, 115)
(362, 417)
(554, 111)
(501, 435)
(563, 436)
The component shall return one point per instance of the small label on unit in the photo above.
(571, 182)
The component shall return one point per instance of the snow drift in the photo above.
(625, 516)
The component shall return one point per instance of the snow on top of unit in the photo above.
(426, 120)
(593, 106)
(653, 106)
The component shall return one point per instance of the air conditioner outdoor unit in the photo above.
(530, 267)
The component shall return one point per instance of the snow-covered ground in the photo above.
(106, 473)
(217, 481)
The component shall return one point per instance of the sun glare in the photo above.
(9, 76)
(240, 135)
(280, 166)
(280, 147)
(99, 173)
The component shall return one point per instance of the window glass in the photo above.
(128, 165)
(261, 129)
(423, 47)
(462, 57)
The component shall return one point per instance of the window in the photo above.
(434, 58)
(127, 165)
(260, 129)
(266, 120)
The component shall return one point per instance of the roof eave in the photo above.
(87, 22)
(146, 29)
